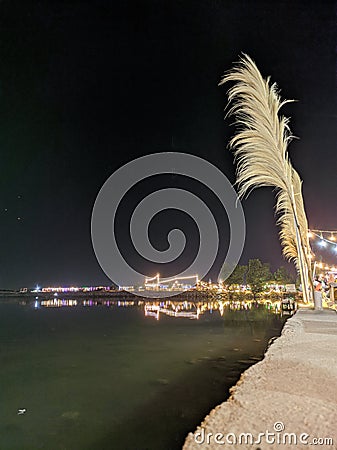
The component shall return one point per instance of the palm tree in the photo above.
(260, 147)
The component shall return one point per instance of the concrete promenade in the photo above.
(292, 390)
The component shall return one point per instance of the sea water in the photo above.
(108, 377)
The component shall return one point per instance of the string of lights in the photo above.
(326, 267)
(325, 237)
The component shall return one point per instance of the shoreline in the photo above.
(294, 389)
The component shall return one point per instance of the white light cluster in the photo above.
(323, 241)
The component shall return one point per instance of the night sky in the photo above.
(86, 87)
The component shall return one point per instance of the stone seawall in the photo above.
(286, 401)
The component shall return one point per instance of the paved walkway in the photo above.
(292, 390)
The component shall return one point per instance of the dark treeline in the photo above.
(257, 274)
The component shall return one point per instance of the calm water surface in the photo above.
(110, 378)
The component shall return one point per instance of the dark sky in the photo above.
(87, 86)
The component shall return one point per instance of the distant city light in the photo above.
(65, 290)
(155, 283)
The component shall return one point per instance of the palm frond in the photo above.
(260, 149)
(287, 227)
(301, 214)
(260, 145)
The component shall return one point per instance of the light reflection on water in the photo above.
(154, 308)
(107, 375)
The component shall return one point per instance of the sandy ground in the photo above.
(292, 390)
